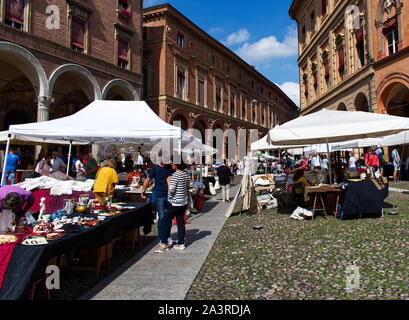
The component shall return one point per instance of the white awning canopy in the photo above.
(103, 122)
(334, 126)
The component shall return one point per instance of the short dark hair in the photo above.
(11, 201)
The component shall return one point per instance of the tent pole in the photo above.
(329, 165)
(69, 158)
(5, 159)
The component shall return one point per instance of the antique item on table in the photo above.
(7, 221)
(84, 199)
(36, 241)
(7, 238)
(43, 209)
(69, 206)
(81, 208)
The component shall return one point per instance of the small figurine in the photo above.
(42, 210)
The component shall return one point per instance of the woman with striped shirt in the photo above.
(178, 199)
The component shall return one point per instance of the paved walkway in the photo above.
(168, 275)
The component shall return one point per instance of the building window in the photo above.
(262, 115)
(390, 30)
(271, 118)
(254, 114)
(201, 92)
(315, 75)
(243, 109)
(180, 85)
(304, 36)
(123, 53)
(324, 7)
(78, 34)
(232, 105)
(252, 84)
(341, 63)
(124, 8)
(180, 40)
(393, 39)
(218, 98)
(360, 48)
(326, 75)
(14, 13)
(313, 21)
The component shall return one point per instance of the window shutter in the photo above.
(218, 93)
(15, 10)
(326, 67)
(77, 32)
(315, 78)
(324, 6)
(359, 36)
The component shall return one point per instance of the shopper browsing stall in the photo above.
(105, 181)
(372, 161)
(13, 161)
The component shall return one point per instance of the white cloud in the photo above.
(268, 48)
(292, 90)
(237, 37)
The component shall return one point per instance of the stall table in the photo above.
(28, 263)
(319, 191)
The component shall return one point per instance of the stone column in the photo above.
(43, 114)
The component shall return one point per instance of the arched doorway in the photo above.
(119, 89)
(342, 107)
(395, 99)
(361, 103)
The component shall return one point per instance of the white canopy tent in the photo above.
(327, 126)
(102, 122)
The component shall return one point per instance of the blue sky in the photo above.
(259, 31)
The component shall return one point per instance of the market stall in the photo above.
(28, 262)
(100, 123)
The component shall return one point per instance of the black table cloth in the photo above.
(28, 263)
(363, 197)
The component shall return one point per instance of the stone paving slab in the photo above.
(168, 275)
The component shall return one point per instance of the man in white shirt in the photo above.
(316, 162)
(352, 163)
(57, 163)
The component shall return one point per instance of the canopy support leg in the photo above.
(329, 164)
(69, 158)
(5, 159)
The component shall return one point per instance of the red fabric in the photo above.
(6, 250)
(326, 67)
(359, 36)
(390, 24)
(341, 58)
(315, 78)
(78, 32)
(123, 50)
(15, 10)
(175, 221)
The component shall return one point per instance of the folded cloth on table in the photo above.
(262, 182)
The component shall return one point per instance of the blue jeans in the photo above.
(161, 205)
(353, 169)
(179, 213)
(12, 174)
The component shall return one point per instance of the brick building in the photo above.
(191, 78)
(57, 56)
(353, 55)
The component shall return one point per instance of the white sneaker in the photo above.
(179, 247)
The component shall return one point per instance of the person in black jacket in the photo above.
(224, 174)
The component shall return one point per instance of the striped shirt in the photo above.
(179, 189)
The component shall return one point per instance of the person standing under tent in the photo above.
(13, 161)
(80, 169)
(379, 153)
(105, 181)
(396, 164)
(316, 162)
(91, 166)
(352, 163)
(372, 161)
(58, 165)
(325, 162)
(160, 172)
(224, 173)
